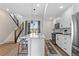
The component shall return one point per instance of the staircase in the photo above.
(19, 29)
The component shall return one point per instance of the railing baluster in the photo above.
(21, 27)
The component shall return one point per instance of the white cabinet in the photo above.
(66, 18)
(65, 22)
(36, 47)
(64, 42)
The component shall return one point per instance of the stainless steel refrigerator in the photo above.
(75, 44)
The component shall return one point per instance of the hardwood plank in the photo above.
(63, 53)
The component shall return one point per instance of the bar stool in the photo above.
(23, 47)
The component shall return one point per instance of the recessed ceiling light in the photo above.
(7, 9)
(38, 5)
(61, 7)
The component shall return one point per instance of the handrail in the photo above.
(15, 20)
(18, 31)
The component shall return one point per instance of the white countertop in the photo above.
(33, 36)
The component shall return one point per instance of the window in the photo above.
(34, 26)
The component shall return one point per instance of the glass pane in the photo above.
(34, 27)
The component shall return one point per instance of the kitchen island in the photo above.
(36, 44)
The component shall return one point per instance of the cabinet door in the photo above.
(65, 21)
(37, 47)
(67, 44)
(64, 42)
(59, 40)
(65, 24)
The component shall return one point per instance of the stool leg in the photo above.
(18, 50)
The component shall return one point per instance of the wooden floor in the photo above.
(59, 51)
(51, 50)
(8, 49)
(11, 49)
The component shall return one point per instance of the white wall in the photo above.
(6, 25)
(76, 7)
(54, 21)
(9, 39)
(47, 28)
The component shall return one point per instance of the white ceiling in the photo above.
(54, 10)
(44, 10)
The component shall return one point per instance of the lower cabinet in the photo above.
(64, 42)
(36, 47)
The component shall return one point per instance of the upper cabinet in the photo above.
(65, 22)
(66, 18)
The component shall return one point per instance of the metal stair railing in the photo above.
(18, 32)
(14, 18)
